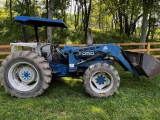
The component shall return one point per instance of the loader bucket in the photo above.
(144, 63)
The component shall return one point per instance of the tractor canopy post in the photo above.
(24, 33)
(36, 33)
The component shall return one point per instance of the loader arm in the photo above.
(105, 49)
(116, 52)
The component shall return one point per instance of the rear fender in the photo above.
(26, 46)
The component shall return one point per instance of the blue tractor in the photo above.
(27, 72)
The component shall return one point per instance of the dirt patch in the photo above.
(5, 49)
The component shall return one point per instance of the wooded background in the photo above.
(110, 20)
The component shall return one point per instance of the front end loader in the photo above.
(27, 73)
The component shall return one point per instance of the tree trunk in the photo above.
(153, 30)
(144, 28)
(100, 12)
(127, 29)
(10, 6)
(46, 17)
(75, 16)
(87, 16)
(146, 7)
(131, 18)
(133, 25)
(149, 28)
(120, 21)
(50, 15)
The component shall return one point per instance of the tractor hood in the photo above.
(39, 22)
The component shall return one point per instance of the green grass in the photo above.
(138, 98)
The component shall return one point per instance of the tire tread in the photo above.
(88, 73)
(40, 62)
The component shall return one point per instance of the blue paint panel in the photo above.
(59, 69)
(87, 64)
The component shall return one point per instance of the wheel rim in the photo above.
(101, 82)
(23, 76)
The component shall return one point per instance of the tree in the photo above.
(147, 5)
(87, 10)
(153, 20)
(76, 14)
(50, 15)
(10, 4)
(120, 16)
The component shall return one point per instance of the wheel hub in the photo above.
(27, 74)
(100, 82)
(101, 79)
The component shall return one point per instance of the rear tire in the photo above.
(101, 80)
(25, 74)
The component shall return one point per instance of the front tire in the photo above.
(101, 80)
(25, 74)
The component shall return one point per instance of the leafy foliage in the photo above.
(122, 17)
